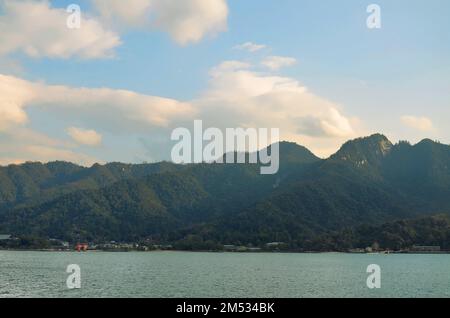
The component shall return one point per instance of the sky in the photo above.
(116, 87)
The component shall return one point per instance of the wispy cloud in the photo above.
(418, 123)
(275, 63)
(250, 47)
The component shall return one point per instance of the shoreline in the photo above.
(225, 252)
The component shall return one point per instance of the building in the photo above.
(5, 237)
(59, 243)
(82, 247)
(275, 244)
(417, 248)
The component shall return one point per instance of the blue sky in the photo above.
(394, 80)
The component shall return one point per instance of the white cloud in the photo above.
(14, 94)
(19, 145)
(228, 66)
(275, 63)
(38, 30)
(118, 112)
(111, 109)
(132, 13)
(240, 97)
(418, 123)
(237, 96)
(191, 20)
(85, 137)
(187, 21)
(250, 47)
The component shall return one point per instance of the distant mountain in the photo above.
(37, 182)
(365, 151)
(422, 171)
(293, 153)
(368, 181)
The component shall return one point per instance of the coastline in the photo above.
(224, 252)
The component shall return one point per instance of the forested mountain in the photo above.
(368, 181)
(34, 181)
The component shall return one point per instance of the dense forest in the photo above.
(369, 191)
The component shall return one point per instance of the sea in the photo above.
(222, 275)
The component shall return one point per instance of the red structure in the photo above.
(82, 247)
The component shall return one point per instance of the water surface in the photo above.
(179, 274)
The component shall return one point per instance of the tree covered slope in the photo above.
(368, 181)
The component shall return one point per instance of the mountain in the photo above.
(368, 181)
(365, 151)
(422, 171)
(154, 204)
(37, 182)
(326, 195)
(291, 153)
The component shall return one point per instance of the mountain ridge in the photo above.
(233, 203)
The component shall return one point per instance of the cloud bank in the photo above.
(238, 95)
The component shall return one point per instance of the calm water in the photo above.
(177, 274)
